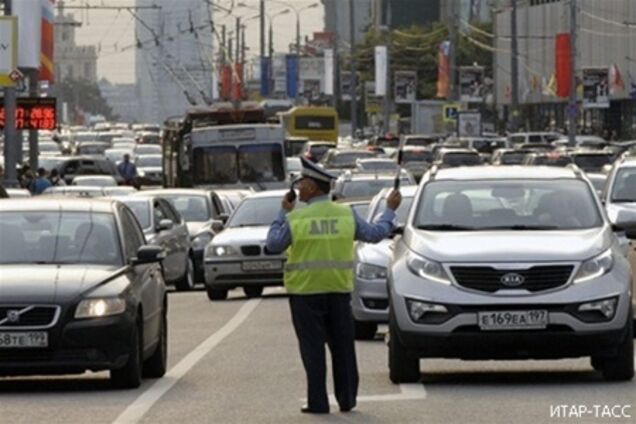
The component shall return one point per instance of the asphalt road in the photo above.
(237, 362)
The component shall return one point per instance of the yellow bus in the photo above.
(317, 123)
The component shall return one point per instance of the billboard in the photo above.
(29, 13)
(8, 49)
(33, 113)
(468, 124)
(405, 86)
(596, 88)
(381, 58)
(471, 84)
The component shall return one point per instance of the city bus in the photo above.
(224, 147)
(317, 123)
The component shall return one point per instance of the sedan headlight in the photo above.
(101, 307)
(370, 272)
(213, 251)
(427, 268)
(201, 240)
(595, 267)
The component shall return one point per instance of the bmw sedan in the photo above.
(80, 291)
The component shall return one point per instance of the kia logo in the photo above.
(512, 279)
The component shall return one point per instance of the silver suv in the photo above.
(510, 263)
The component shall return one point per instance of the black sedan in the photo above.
(79, 290)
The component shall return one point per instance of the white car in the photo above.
(94, 180)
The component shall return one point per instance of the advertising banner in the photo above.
(471, 84)
(596, 88)
(29, 13)
(292, 75)
(47, 69)
(8, 49)
(468, 124)
(329, 72)
(563, 64)
(443, 69)
(380, 70)
(405, 86)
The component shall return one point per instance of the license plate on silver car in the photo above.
(262, 265)
(513, 320)
(24, 339)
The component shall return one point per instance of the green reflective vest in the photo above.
(320, 258)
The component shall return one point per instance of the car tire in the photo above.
(186, 283)
(621, 366)
(365, 330)
(216, 294)
(402, 367)
(129, 376)
(156, 365)
(253, 291)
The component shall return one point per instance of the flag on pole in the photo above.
(47, 69)
(616, 80)
(443, 69)
(563, 63)
(549, 86)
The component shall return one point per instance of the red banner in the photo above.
(47, 71)
(443, 70)
(237, 85)
(563, 65)
(226, 82)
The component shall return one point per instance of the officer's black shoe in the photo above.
(307, 410)
(346, 408)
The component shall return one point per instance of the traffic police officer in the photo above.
(319, 280)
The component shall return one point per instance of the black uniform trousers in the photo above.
(320, 319)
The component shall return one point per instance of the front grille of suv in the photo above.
(251, 250)
(19, 316)
(488, 279)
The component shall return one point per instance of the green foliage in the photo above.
(82, 96)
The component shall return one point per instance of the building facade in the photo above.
(606, 39)
(405, 13)
(174, 59)
(72, 60)
(337, 19)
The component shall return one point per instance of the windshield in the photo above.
(624, 189)
(513, 158)
(215, 165)
(261, 163)
(346, 160)
(315, 123)
(191, 208)
(367, 188)
(525, 204)
(401, 213)
(487, 146)
(592, 161)
(259, 211)
(91, 149)
(417, 141)
(59, 237)
(417, 156)
(458, 159)
(141, 209)
(49, 163)
(378, 165)
(552, 161)
(388, 142)
(147, 161)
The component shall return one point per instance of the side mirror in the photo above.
(224, 217)
(217, 226)
(148, 254)
(165, 224)
(625, 221)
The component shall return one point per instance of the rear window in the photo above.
(315, 123)
(457, 159)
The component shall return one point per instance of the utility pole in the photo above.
(297, 58)
(514, 69)
(262, 22)
(387, 94)
(33, 134)
(452, 60)
(271, 60)
(354, 68)
(11, 144)
(572, 103)
(223, 44)
(237, 32)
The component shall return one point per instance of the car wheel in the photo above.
(129, 376)
(621, 366)
(186, 283)
(253, 291)
(217, 294)
(365, 330)
(155, 366)
(402, 367)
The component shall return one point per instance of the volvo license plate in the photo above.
(24, 339)
(513, 320)
(262, 265)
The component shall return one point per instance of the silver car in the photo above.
(237, 256)
(510, 263)
(369, 300)
(620, 192)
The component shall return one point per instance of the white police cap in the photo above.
(311, 170)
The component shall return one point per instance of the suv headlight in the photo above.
(370, 272)
(212, 251)
(100, 307)
(201, 240)
(595, 267)
(427, 268)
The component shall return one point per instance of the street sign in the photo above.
(451, 110)
(468, 124)
(8, 49)
(33, 113)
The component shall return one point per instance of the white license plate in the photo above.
(24, 339)
(513, 320)
(262, 265)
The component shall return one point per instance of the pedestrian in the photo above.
(41, 183)
(54, 178)
(319, 280)
(25, 176)
(127, 170)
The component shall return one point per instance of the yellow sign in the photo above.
(451, 111)
(8, 50)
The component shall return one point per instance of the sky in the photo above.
(111, 30)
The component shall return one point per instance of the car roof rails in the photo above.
(577, 171)
(433, 172)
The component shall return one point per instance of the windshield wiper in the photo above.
(445, 227)
(521, 227)
(255, 224)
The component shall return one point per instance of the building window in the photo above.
(87, 70)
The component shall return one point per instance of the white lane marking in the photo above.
(147, 399)
(415, 391)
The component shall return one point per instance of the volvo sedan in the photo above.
(80, 291)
